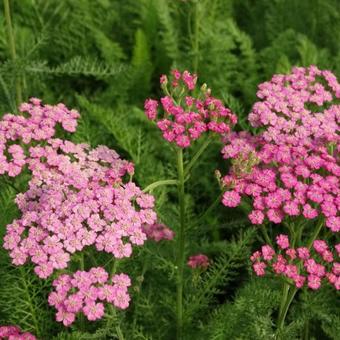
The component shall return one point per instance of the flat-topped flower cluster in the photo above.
(186, 117)
(283, 181)
(86, 292)
(292, 167)
(77, 198)
(300, 266)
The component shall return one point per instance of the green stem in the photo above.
(265, 235)
(154, 185)
(316, 233)
(11, 44)
(288, 300)
(285, 291)
(138, 288)
(112, 309)
(288, 295)
(180, 243)
(306, 331)
(196, 156)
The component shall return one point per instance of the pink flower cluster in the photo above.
(185, 117)
(14, 333)
(37, 123)
(86, 292)
(284, 181)
(294, 164)
(77, 198)
(300, 265)
(292, 109)
(198, 261)
(158, 232)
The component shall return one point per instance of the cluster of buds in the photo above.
(185, 117)
(199, 261)
(300, 266)
(158, 232)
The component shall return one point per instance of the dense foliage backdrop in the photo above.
(104, 58)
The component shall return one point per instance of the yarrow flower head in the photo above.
(36, 123)
(185, 117)
(87, 292)
(15, 333)
(302, 266)
(200, 261)
(77, 198)
(292, 167)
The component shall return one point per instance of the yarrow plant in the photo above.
(15, 333)
(289, 173)
(77, 197)
(185, 114)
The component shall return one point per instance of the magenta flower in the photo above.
(183, 122)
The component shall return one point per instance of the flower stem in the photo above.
(180, 243)
(112, 309)
(196, 156)
(265, 235)
(289, 293)
(287, 299)
(11, 44)
(154, 185)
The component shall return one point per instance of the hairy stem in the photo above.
(11, 44)
(180, 243)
